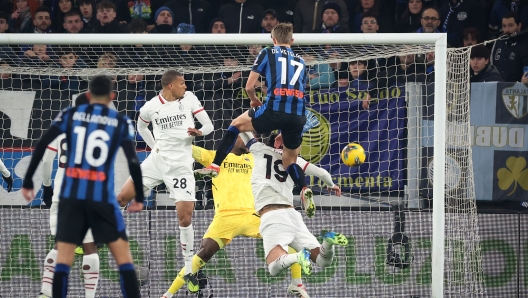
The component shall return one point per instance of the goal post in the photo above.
(448, 73)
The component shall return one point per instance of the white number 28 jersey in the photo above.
(270, 173)
(170, 121)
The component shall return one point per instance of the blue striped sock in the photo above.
(129, 282)
(60, 280)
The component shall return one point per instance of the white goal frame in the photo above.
(439, 40)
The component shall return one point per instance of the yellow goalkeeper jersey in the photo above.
(232, 187)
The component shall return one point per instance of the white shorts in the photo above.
(178, 177)
(54, 211)
(285, 227)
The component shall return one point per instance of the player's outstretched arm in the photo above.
(47, 168)
(323, 174)
(248, 138)
(27, 186)
(144, 132)
(6, 176)
(135, 172)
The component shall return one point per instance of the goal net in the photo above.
(408, 108)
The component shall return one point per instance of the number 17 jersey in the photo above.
(94, 134)
(286, 75)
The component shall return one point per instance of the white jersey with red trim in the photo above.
(269, 173)
(170, 122)
(59, 145)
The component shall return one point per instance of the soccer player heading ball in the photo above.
(284, 108)
(87, 198)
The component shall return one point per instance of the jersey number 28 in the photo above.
(280, 175)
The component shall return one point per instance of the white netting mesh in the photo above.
(396, 132)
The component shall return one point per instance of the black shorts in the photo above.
(265, 120)
(76, 216)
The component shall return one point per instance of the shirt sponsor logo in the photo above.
(170, 121)
(288, 92)
(85, 174)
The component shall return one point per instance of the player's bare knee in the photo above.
(89, 248)
(184, 220)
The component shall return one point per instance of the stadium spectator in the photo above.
(4, 22)
(480, 69)
(365, 5)
(330, 19)
(269, 20)
(407, 70)
(194, 12)
(4, 76)
(510, 55)
(284, 8)
(37, 56)
(137, 26)
(471, 36)
(60, 9)
(307, 19)
(121, 10)
(87, 8)
(22, 16)
(73, 22)
(141, 9)
(106, 19)
(430, 21)
(357, 76)
(320, 75)
(164, 21)
(500, 8)
(369, 24)
(241, 16)
(458, 15)
(217, 26)
(409, 20)
(524, 79)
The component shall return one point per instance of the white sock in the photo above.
(187, 244)
(90, 269)
(49, 271)
(326, 254)
(168, 295)
(281, 263)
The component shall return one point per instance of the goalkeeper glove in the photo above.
(311, 121)
(9, 181)
(47, 194)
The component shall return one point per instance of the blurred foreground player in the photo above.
(90, 262)
(284, 109)
(94, 133)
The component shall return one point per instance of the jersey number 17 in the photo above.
(298, 69)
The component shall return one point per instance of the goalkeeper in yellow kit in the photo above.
(235, 215)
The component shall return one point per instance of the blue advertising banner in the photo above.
(499, 126)
(380, 130)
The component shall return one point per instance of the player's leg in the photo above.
(185, 210)
(208, 249)
(296, 287)
(108, 226)
(292, 136)
(51, 258)
(72, 225)
(278, 231)
(240, 124)
(151, 176)
(90, 265)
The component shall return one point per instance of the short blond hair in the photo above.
(283, 33)
(106, 56)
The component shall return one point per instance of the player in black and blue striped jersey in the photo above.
(284, 108)
(94, 133)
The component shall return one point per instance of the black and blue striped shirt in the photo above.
(286, 76)
(94, 134)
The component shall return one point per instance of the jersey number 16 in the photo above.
(96, 140)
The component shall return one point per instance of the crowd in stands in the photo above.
(467, 22)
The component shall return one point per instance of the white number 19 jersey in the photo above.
(270, 173)
(59, 145)
(170, 121)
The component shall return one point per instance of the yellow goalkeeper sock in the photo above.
(197, 263)
(295, 270)
(178, 282)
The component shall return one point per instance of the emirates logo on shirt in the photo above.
(170, 121)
